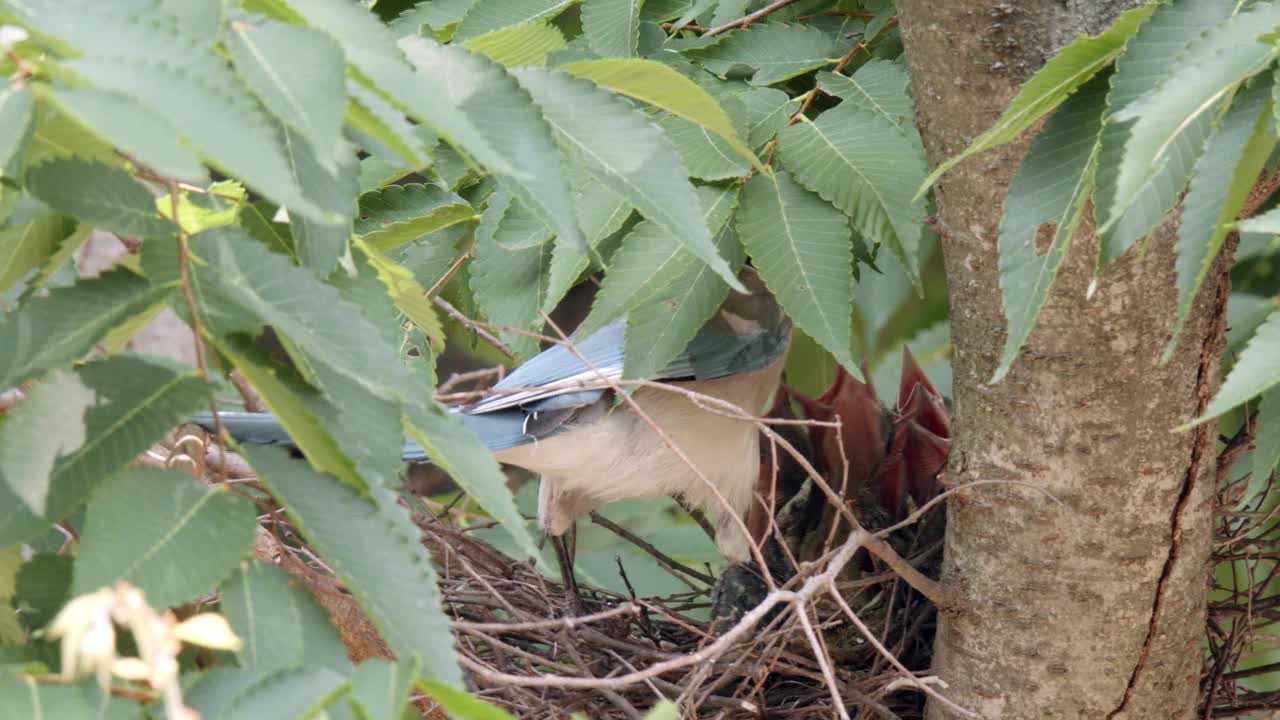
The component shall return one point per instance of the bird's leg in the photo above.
(564, 547)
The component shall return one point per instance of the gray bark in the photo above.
(1093, 605)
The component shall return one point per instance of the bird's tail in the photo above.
(496, 431)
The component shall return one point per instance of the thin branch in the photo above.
(657, 554)
(473, 326)
(746, 20)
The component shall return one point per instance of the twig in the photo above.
(473, 326)
(435, 287)
(568, 623)
(663, 559)
(746, 20)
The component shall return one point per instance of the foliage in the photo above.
(373, 167)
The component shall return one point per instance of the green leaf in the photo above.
(380, 688)
(11, 632)
(298, 74)
(293, 694)
(182, 538)
(22, 697)
(650, 259)
(53, 330)
(1267, 222)
(371, 47)
(1051, 84)
(134, 128)
(17, 109)
(863, 164)
(519, 46)
(1224, 176)
(665, 710)
(767, 110)
(1049, 191)
(659, 330)
(99, 195)
(663, 87)
(46, 426)
(1266, 451)
(804, 251)
(32, 237)
(618, 146)
(705, 156)
(459, 705)
(320, 244)
(41, 588)
(1255, 372)
(485, 17)
(601, 213)
(775, 51)
(509, 275)
(879, 87)
(1223, 56)
(409, 297)
(435, 14)
(388, 571)
(57, 135)
(281, 624)
(612, 27)
(298, 409)
(511, 123)
(386, 133)
(240, 279)
(1153, 54)
(397, 214)
(471, 465)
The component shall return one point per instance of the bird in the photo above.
(562, 416)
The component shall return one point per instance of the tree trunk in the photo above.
(1091, 605)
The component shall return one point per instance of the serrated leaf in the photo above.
(658, 331)
(663, 87)
(878, 86)
(46, 426)
(41, 588)
(767, 111)
(134, 128)
(1224, 56)
(509, 120)
(509, 276)
(1255, 372)
(238, 274)
(388, 571)
(30, 240)
(407, 295)
(435, 14)
(775, 51)
(385, 130)
(182, 538)
(17, 109)
(99, 195)
(622, 150)
(803, 249)
(292, 694)
(58, 135)
(705, 156)
(485, 17)
(518, 46)
(612, 27)
(22, 697)
(380, 688)
(471, 465)
(1051, 84)
(319, 245)
(1049, 190)
(1224, 176)
(397, 214)
(371, 47)
(55, 329)
(650, 259)
(866, 166)
(601, 213)
(298, 74)
(1266, 452)
(1148, 58)
(280, 623)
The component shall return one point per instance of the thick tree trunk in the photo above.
(1091, 605)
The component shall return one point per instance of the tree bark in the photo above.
(1091, 604)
